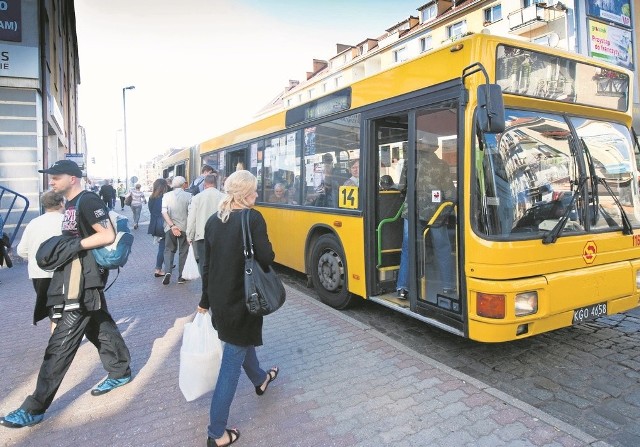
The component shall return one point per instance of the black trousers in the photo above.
(40, 285)
(100, 330)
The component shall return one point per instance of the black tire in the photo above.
(329, 272)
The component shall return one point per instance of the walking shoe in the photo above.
(135, 226)
(181, 280)
(167, 279)
(402, 294)
(108, 384)
(20, 418)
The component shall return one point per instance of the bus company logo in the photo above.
(589, 252)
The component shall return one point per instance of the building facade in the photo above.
(39, 75)
(602, 29)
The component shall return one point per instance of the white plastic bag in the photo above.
(190, 270)
(200, 357)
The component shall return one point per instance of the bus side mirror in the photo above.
(490, 108)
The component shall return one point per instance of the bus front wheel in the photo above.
(328, 272)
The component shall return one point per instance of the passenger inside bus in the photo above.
(354, 168)
(279, 194)
(386, 183)
(434, 185)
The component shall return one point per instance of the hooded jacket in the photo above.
(77, 279)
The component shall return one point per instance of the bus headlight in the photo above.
(526, 303)
(490, 305)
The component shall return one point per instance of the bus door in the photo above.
(416, 209)
(432, 207)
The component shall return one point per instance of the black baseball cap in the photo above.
(63, 167)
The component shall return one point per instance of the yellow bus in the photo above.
(487, 188)
(182, 162)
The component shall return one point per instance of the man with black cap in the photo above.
(87, 227)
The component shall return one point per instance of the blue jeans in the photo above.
(442, 251)
(233, 357)
(136, 213)
(160, 255)
(403, 273)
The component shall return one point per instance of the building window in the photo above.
(400, 55)
(528, 3)
(324, 87)
(426, 44)
(457, 29)
(338, 81)
(311, 92)
(493, 14)
(429, 13)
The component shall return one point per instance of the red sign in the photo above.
(589, 252)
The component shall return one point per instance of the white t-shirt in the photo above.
(36, 232)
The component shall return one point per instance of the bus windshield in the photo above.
(538, 171)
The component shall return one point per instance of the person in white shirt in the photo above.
(35, 233)
(175, 208)
(202, 206)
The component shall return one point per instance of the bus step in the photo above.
(387, 273)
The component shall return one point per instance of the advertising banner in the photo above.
(611, 44)
(617, 11)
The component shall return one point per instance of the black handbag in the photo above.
(264, 292)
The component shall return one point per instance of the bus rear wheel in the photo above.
(328, 272)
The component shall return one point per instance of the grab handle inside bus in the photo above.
(490, 113)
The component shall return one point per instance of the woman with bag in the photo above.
(223, 292)
(156, 222)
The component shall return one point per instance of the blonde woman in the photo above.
(223, 292)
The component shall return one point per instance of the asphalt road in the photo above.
(587, 375)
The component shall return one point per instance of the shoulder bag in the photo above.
(264, 292)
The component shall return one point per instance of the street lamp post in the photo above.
(126, 159)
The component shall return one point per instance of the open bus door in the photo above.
(416, 212)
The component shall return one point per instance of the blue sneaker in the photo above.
(108, 384)
(21, 418)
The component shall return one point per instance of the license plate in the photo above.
(589, 312)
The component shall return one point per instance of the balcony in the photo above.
(535, 16)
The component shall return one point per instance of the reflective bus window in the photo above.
(608, 155)
(332, 163)
(536, 172)
(525, 177)
(281, 169)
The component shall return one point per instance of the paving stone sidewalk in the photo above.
(341, 383)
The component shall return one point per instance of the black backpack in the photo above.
(195, 187)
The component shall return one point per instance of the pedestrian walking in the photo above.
(76, 290)
(121, 191)
(137, 200)
(223, 292)
(156, 222)
(202, 207)
(175, 209)
(108, 194)
(35, 233)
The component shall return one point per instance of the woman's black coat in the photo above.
(223, 276)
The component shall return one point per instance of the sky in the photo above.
(201, 67)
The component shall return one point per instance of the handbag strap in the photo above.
(247, 241)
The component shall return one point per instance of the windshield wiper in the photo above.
(552, 236)
(627, 229)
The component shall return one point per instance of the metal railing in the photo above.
(8, 203)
